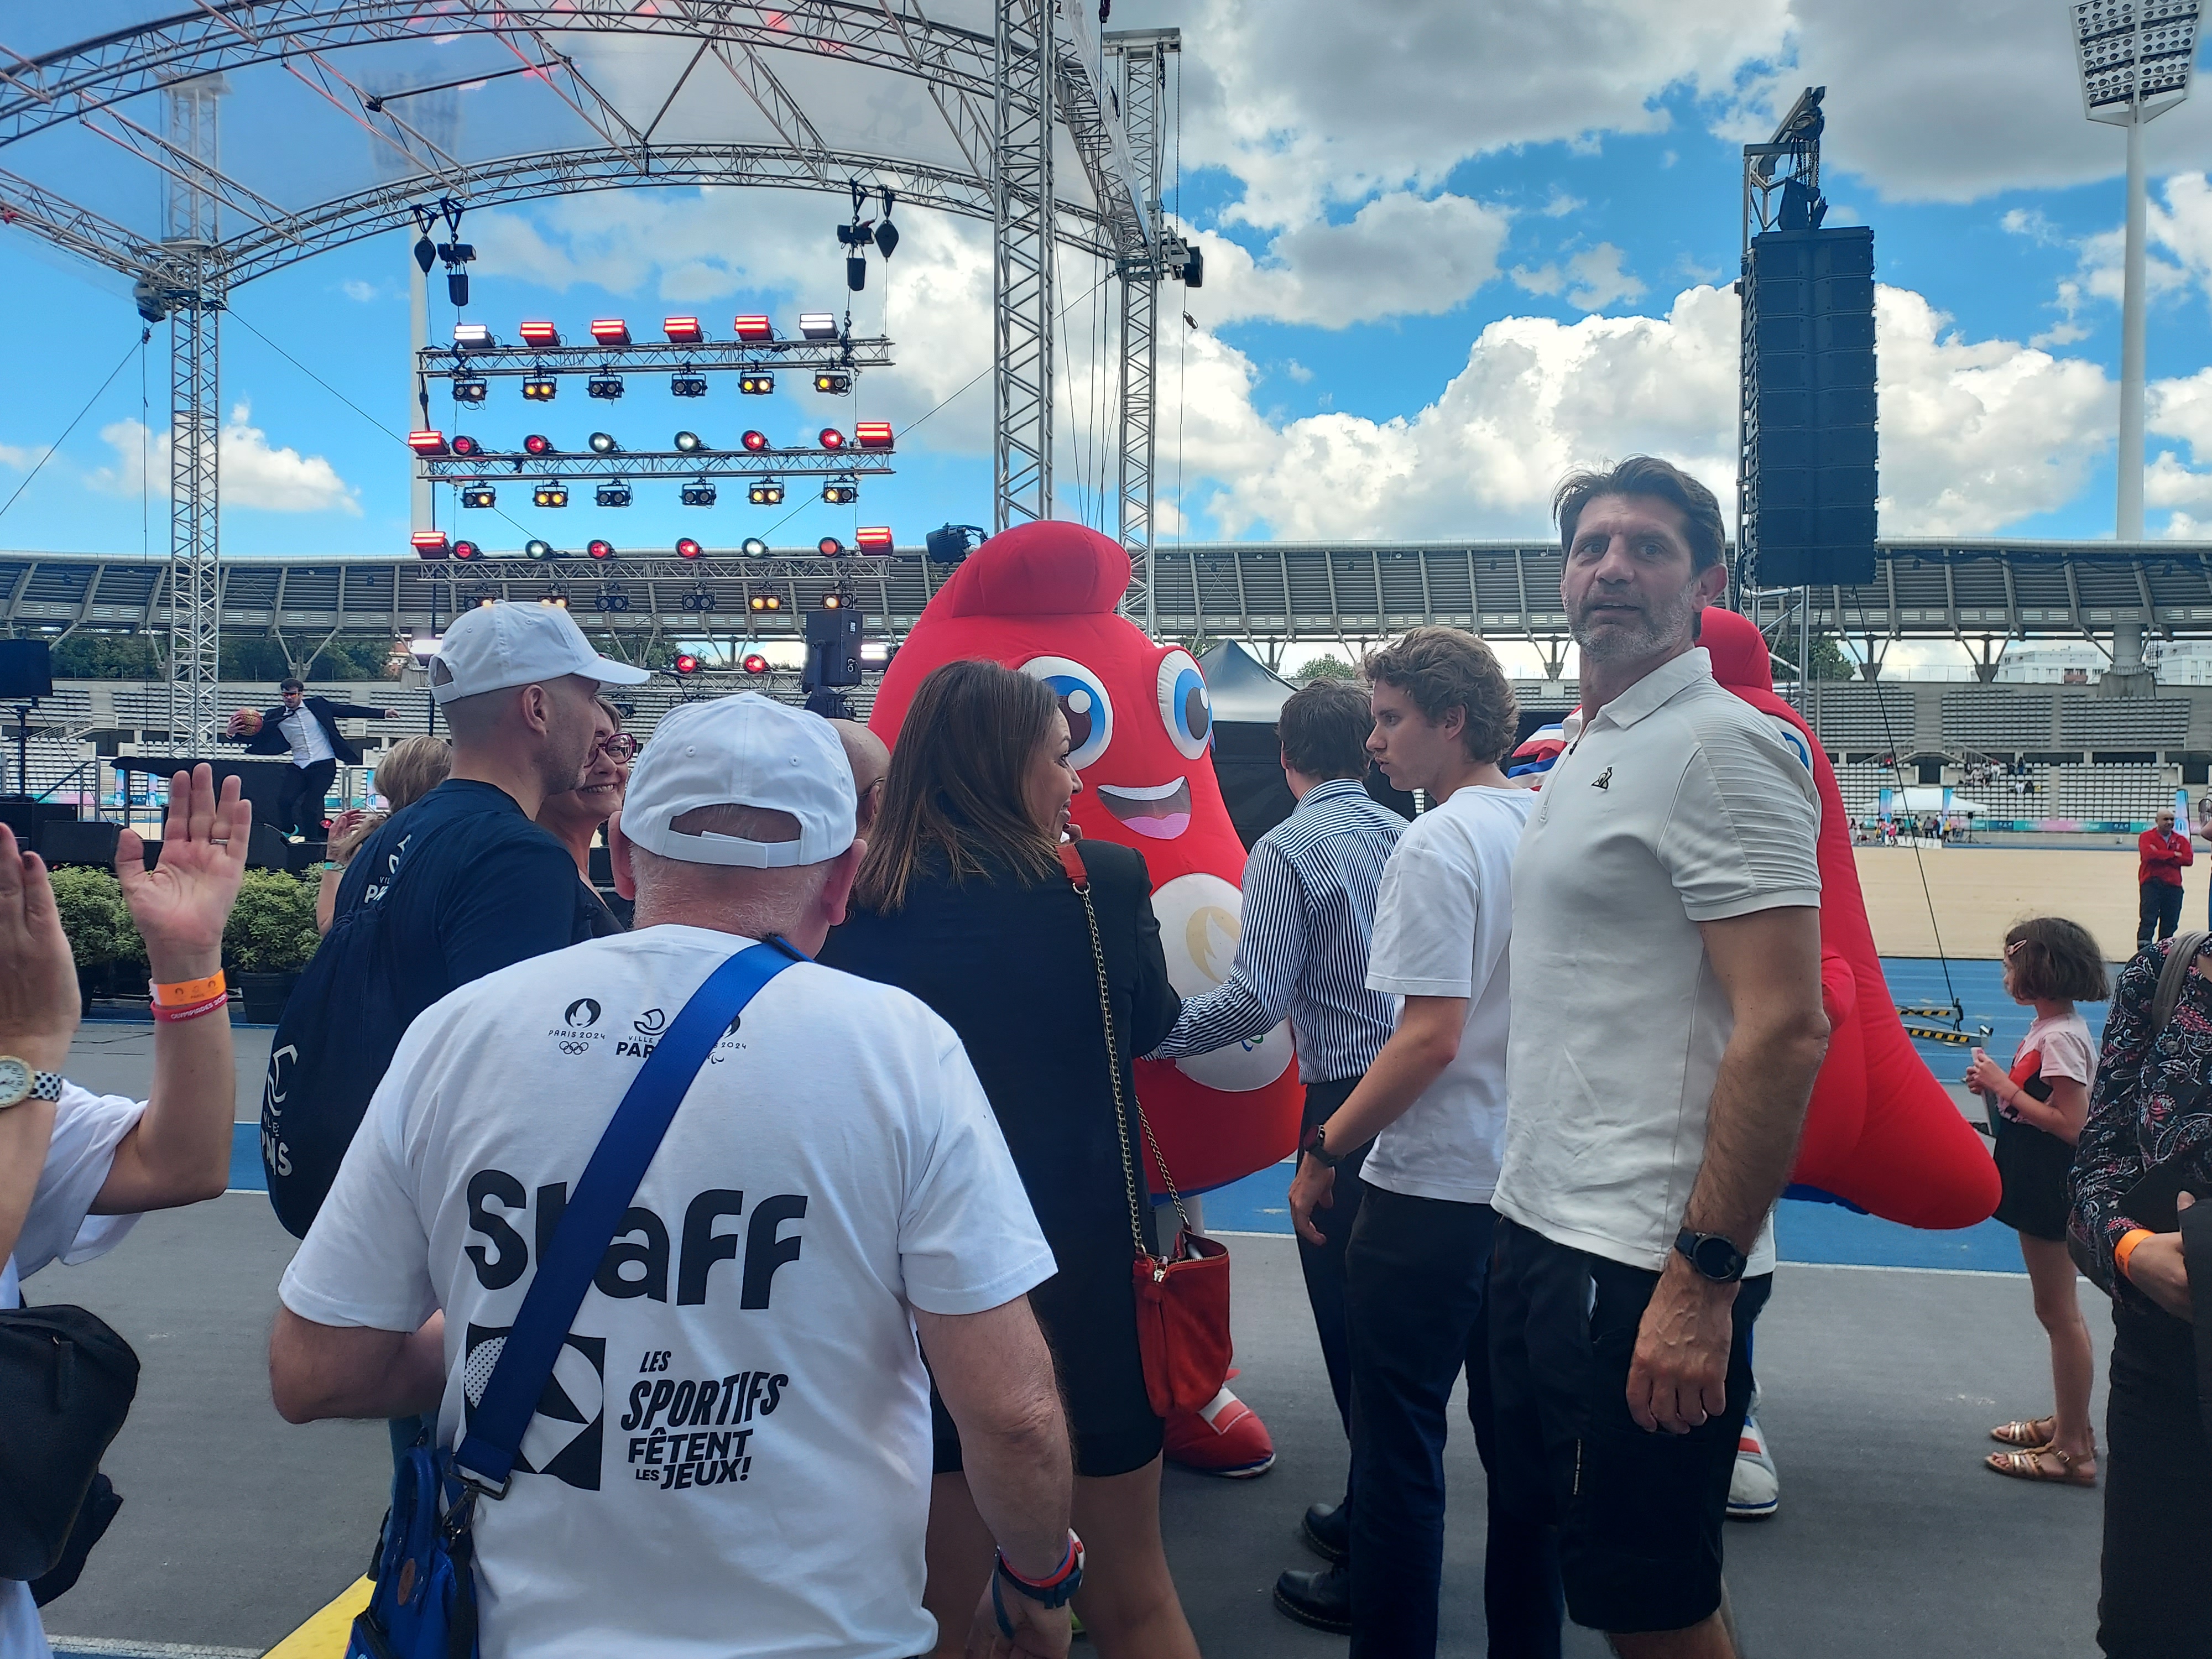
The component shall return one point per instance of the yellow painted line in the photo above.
(323, 1636)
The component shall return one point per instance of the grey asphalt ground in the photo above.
(1879, 1388)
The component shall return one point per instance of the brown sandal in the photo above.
(2028, 1433)
(2029, 1466)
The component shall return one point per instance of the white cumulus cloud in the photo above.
(255, 473)
(1400, 255)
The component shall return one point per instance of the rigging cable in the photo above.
(139, 345)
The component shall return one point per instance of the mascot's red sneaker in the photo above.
(1225, 1437)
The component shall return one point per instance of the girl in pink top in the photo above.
(2038, 1108)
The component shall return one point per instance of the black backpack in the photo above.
(342, 1024)
(66, 1383)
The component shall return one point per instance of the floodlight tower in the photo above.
(2135, 58)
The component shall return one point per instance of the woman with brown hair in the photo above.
(961, 900)
(576, 816)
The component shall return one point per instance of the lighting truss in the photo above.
(808, 357)
(664, 463)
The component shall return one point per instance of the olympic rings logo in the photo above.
(575, 1048)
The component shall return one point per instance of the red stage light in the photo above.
(755, 328)
(683, 331)
(429, 543)
(686, 663)
(427, 443)
(756, 441)
(600, 549)
(872, 435)
(538, 444)
(466, 550)
(688, 549)
(540, 334)
(611, 331)
(830, 548)
(832, 439)
(873, 538)
(464, 445)
(755, 663)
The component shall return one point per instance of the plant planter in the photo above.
(264, 996)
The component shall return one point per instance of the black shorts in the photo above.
(1639, 1513)
(2033, 1164)
(1088, 1313)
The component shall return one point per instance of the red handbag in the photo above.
(1182, 1298)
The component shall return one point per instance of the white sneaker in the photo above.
(1755, 1488)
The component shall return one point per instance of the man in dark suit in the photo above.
(306, 728)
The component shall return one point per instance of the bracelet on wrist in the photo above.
(1055, 1590)
(173, 1016)
(2126, 1248)
(186, 992)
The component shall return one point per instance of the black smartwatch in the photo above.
(1315, 1147)
(1713, 1255)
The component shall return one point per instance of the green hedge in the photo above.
(96, 920)
(271, 928)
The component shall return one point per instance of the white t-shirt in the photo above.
(88, 1128)
(1441, 924)
(2062, 1047)
(735, 1453)
(1678, 803)
(305, 733)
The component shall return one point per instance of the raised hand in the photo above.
(180, 905)
(39, 1004)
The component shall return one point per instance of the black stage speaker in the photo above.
(833, 649)
(26, 671)
(79, 841)
(1808, 406)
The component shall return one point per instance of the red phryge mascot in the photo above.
(1040, 597)
(1882, 1133)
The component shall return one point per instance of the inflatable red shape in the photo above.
(1040, 597)
(1882, 1133)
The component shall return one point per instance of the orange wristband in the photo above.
(185, 992)
(2126, 1247)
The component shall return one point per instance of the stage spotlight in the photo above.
(600, 548)
(834, 382)
(755, 663)
(830, 548)
(607, 387)
(537, 550)
(611, 599)
(470, 390)
(465, 446)
(615, 494)
(689, 443)
(603, 443)
(765, 492)
(479, 494)
(699, 600)
(558, 600)
(473, 336)
(766, 602)
(688, 549)
(699, 494)
(551, 493)
(832, 601)
(756, 383)
(817, 324)
(753, 329)
(610, 331)
(683, 331)
(540, 387)
(429, 543)
(686, 664)
(686, 385)
(753, 548)
(467, 550)
(873, 538)
(538, 444)
(755, 440)
(427, 443)
(872, 435)
(544, 335)
(952, 543)
(840, 492)
(831, 438)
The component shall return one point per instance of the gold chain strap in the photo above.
(1113, 1071)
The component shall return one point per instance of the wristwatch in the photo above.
(1315, 1147)
(20, 1083)
(1713, 1255)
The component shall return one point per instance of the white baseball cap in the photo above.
(742, 750)
(497, 646)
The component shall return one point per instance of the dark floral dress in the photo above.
(2147, 1110)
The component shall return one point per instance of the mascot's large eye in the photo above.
(1083, 699)
(1184, 705)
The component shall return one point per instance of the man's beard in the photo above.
(1622, 641)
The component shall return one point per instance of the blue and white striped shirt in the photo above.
(1309, 892)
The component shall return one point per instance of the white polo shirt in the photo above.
(1678, 803)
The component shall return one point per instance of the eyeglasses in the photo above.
(620, 746)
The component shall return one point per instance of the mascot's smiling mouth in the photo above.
(1162, 811)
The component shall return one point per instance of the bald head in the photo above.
(870, 759)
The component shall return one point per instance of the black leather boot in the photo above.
(1326, 1530)
(1322, 1600)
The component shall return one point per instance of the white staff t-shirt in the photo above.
(1442, 925)
(733, 1454)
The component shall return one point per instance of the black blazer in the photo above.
(270, 739)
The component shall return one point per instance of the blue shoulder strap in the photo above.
(485, 1455)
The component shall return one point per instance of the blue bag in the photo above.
(424, 1603)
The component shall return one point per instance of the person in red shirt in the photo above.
(2163, 854)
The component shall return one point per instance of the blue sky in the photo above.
(1450, 256)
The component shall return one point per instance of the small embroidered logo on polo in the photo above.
(1603, 779)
